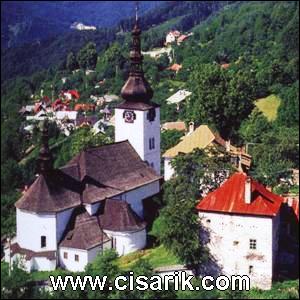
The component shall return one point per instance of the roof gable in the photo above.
(118, 216)
(93, 175)
(200, 138)
(53, 192)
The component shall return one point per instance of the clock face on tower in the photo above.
(129, 116)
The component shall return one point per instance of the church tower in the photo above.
(137, 118)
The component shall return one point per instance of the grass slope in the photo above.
(269, 106)
(157, 257)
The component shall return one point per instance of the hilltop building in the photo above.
(96, 201)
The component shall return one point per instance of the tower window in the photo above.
(151, 114)
(151, 143)
(43, 241)
(252, 244)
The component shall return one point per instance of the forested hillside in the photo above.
(30, 21)
(51, 50)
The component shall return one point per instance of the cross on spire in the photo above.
(136, 11)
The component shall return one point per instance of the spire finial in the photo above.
(45, 160)
(136, 88)
(136, 11)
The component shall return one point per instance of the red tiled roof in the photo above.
(225, 66)
(229, 198)
(175, 67)
(84, 106)
(74, 93)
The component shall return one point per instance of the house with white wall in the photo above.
(204, 138)
(240, 226)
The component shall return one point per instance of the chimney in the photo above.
(248, 190)
(191, 127)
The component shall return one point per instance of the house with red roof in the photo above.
(241, 223)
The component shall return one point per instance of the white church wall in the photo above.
(168, 169)
(229, 244)
(70, 263)
(138, 134)
(62, 219)
(135, 197)
(42, 264)
(30, 228)
(127, 242)
(92, 253)
(133, 132)
(152, 130)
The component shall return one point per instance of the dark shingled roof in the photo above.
(16, 249)
(52, 192)
(93, 175)
(83, 231)
(137, 105)
(110, 170)
(118, 216)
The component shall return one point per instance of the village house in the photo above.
(178, 125)
(175, 67)
(172, 36)
(96, 201)
(178, 97)
(242, 224)
(80, 26)
(204, 138)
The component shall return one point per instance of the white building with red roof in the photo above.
(240, 226)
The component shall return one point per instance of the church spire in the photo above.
(136, 88)
(45, 160)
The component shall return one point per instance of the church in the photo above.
(96, 201)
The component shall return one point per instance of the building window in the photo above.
(250, 270)
(65, 255)
(151, 114)
(114, 243)
(76, 257)
(235, 243)
(43, 241)
(208, 221)
(252, 244)
(152, 165)
(151, 143)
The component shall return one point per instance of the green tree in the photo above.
(197, 172)
(15, 285)
(72, 63)
(87, 56)
(220, 97)
(170, 138)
